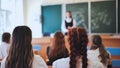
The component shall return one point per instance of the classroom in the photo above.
(39, 25)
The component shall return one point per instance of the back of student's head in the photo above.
(58, 44)
(20, 54)
(59, 38)
(78, 40)
(97, 43)
(6, 37)
(97, 40)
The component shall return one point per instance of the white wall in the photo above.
(46, 2)
(50, 2)
(14, 14)
(32, 17)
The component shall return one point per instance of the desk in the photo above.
(41, 41)
(108, 41)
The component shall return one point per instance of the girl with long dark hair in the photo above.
(98, 52)
(78, 40)
(21, 53)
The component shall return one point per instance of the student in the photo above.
(21, 53)
(4, 47)
(97, 52)
(78, 39)
(68, 23)
(58, 49)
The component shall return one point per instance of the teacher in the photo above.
(68, 23)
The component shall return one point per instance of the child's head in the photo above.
(58, 38)
(96, 39)
(58, 44)
(6, 37)
(68, 14)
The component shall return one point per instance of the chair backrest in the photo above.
(46, 34)
(37, 47)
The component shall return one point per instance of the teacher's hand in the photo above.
(69, 27)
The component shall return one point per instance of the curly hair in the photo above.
(78, 40)
(97, 43)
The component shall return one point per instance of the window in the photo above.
(11, 15)
(2, 21)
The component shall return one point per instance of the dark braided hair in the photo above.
(78, 40)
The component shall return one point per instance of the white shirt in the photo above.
(64, 63)
(63, 27)
(4, 47)
(38, 62)
(93, 55)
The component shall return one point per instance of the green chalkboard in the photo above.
(51, 18)
(103, 17)
(79, 13)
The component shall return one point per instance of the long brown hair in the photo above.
(78, 40)
(97, 43)
(20, 54)
(58, 45)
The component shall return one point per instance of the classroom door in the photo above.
(51, 18)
